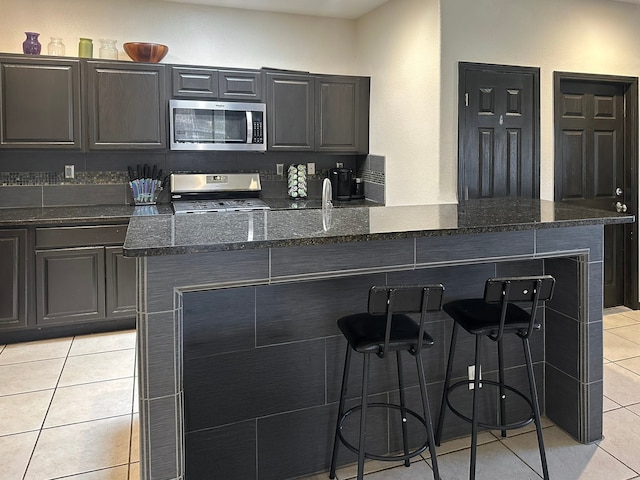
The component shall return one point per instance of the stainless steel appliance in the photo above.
(341, 183)
(215, 192)
(211, 125)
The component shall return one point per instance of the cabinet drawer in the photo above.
(55, 237)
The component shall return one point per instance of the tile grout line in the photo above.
(55, 388)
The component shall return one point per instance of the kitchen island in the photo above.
(240, 359)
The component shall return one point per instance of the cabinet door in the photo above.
(121, 283)
(187, 82)
(240, 85)
(13, 275)
(40, 103)
(290, 112)
(127, 106)
(70, 285)
(342, 118)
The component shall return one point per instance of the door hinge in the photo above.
(466, 99)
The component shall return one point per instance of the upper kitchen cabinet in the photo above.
(290, 112)
(40, 103)
(245, 85)
(342, 114)
(194, 83)
(215, 84)
(321, 113)
(126, 106)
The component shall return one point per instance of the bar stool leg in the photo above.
(427, 417)
(503, 412)
(447, 382)
(343, 394)
(403, 417)
(536, 407)
(363, 416)
(474, 413)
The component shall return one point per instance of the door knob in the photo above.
(621, 207)
(618, 192)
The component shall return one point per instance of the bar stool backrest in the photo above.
(405, 299)
(531, 289)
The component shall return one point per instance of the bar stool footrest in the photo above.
(507, 426)
(384, 458)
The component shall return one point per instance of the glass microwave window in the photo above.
(230, 126)
(209, 126)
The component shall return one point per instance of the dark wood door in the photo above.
(590, 162)
(341, 114)
(13, 275)
(127, 106)
(290, 112)
(70, 285)
(121, 283)
(498, 131)
(40, 104)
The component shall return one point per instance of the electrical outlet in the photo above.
(279, 168)
(69, 171)
(471, 369)
(311, 168)
(339, 164)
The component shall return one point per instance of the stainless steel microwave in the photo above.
(211, 125)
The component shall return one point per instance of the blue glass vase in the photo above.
(31, 46)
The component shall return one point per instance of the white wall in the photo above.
(195, 34)
(589, 36)
(398, 45)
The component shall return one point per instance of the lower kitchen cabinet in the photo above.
(70, 285)
(13, 278)
(121, 283)
(82, 275)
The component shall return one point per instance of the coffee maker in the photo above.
(341, 183)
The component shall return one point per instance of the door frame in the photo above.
(463, 68)
(630, 84)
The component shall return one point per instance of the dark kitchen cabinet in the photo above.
(216, 84)
(318, 113)
(70, 285)
(290, 112)
(120, 283)
(13, 278)
(126, 105)
(194, 83)
(245, 85)
(342, 114)
(82, 275)
(40, 104)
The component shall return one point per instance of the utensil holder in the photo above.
(145, 191)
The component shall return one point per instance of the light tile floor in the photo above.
(68, 409)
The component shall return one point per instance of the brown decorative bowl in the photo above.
(145, 52)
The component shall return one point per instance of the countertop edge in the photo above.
(366, 237)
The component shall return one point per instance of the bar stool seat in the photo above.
(500, 312)
(387, 327)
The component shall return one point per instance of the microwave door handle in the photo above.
(249, 127)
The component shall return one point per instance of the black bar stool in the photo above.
(493, 316)
(387, 328)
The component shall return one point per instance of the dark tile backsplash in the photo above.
(36, 178)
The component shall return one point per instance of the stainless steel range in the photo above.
(216, 192)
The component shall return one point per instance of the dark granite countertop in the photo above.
(167, 234)
(290, 204)
(17, 217)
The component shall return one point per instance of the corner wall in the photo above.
(398, 45)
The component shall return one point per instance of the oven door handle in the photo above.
(249, 127)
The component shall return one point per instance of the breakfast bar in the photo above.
(239, 356)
